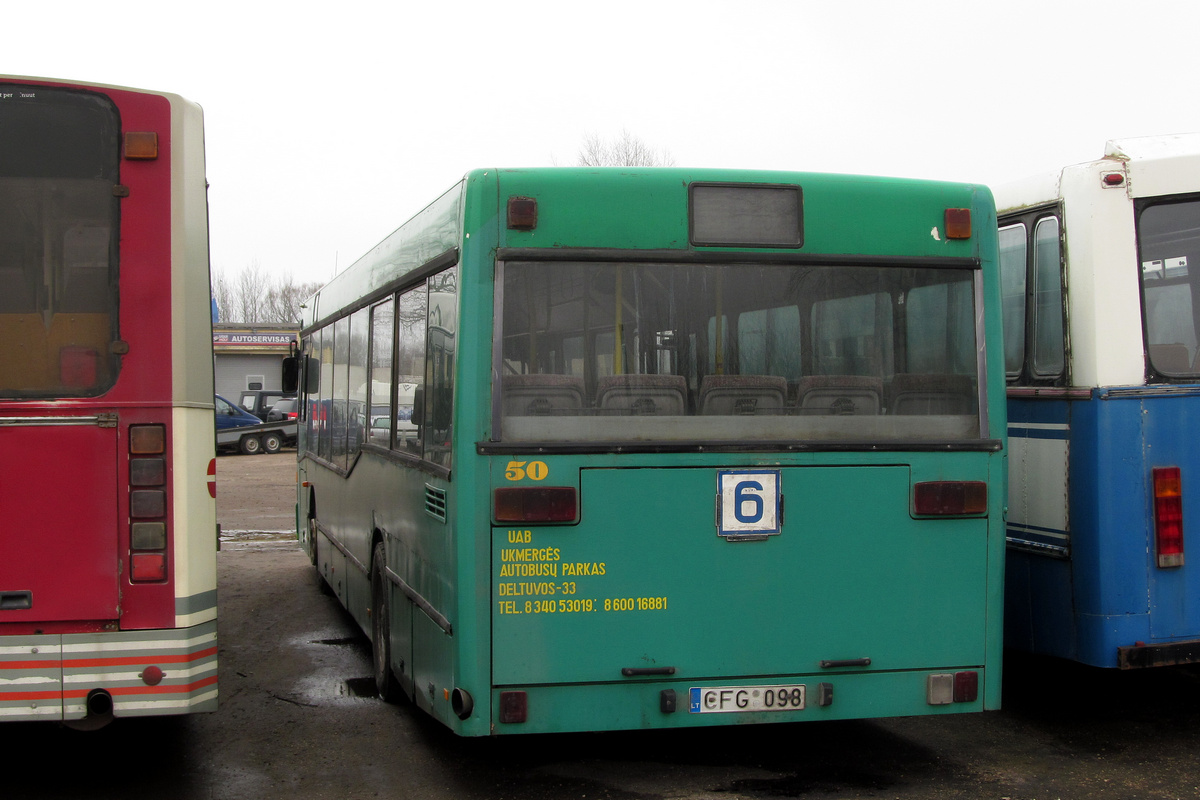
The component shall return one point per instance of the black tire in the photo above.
(250, 445)
(272, 443)
(381, 639)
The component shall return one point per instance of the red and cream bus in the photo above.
(108, 598)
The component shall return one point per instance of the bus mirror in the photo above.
(418, 411)
(291, 373)
(312, 375)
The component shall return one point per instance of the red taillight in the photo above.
(536, 504)
(514, 707)
(1168, 516)
(966, 686)
(148, 567)
(949, 498)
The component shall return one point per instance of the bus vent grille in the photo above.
(435, 503)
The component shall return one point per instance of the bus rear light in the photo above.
(1168, 516)
(148, 536)
(966, 686)
(141, 145)
(147, 472)
(145, 503)
(536, 504)
(1111, 180)
(514, 706)
(958, 223)
(949, 498)
(522, 213)
(146, 567)
(147, 440)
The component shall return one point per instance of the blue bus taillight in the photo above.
(1168, 516)
(949, 498)
(535, 504)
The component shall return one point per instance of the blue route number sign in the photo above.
(748, 502)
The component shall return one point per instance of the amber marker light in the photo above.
(141, 145)
(958, 223)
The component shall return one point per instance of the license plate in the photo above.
(732, 699)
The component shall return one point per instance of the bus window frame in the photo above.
(1029, 375)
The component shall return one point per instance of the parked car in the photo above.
(260, 401)
(230, 415)
(283, 411)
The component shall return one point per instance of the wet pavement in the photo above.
(298, 719)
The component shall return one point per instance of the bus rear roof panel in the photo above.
(596, 207)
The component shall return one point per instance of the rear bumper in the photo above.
(49, 677)
(1158, 655)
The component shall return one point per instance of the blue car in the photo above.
(230, 415)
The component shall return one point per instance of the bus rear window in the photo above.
(737, 352)
(58, 242)
(1169, 241)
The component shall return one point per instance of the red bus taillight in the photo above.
(1168, 516)
(949, 498)
(147, 503)
(535, 504)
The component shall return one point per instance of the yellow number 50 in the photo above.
(519, 470)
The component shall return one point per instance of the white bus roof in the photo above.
(1154, 165)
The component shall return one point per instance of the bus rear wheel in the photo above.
(381, 638)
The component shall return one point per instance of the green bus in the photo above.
(598, 449)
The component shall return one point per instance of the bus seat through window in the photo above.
(839, 394)
(742, 394)
(910, 393)
(637, 395)
(542, 395)
(1170, 358)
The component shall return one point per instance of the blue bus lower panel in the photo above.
(1082, 471)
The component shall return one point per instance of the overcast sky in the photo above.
(330, 124)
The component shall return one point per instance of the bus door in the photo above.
(58, 519)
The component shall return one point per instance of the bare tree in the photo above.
(252, 296)
(285, 298)
(251, 287)
(626, 150)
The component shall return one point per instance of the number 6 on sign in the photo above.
(748, 502)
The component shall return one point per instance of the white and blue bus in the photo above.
(1101, 271)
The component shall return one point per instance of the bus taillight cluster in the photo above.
(147, 503)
